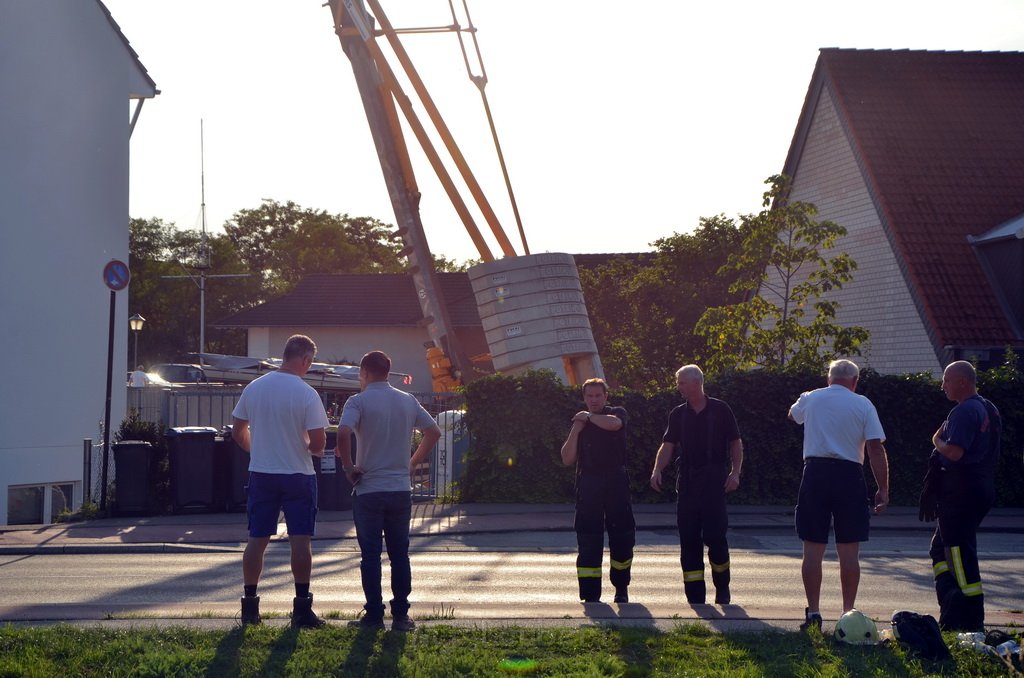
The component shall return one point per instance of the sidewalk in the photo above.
(228, 530)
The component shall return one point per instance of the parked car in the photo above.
(180, 373)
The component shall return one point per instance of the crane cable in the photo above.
(481, 82)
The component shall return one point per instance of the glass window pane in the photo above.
(61, 497)
(25, 505)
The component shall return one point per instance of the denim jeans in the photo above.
(384, 517)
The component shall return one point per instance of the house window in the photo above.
(32, 504)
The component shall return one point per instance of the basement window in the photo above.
(38, 504)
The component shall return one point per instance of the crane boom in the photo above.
(379, 106)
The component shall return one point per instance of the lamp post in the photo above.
(135, 323)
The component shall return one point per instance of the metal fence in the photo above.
(211, 405)
(199, 405)
(438, 477)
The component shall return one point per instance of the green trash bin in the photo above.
(191, 454)
(334, 492)
(232, 473)
(133, 478)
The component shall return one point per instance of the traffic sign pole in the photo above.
(106, 409)
(116, 276)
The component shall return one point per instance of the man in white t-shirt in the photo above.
(838, 426)
(280, 421)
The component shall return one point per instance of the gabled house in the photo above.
(920, 156)
(350, 314)
(71, 88)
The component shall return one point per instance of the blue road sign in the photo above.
(116, 275)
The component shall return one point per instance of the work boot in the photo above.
(402, 622)
(621, 594)
(373, 622)
(696, 592)
(303, 616)
(811, 619)
(722, 595)
(251, 610)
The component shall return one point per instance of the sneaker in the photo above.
(366, 621)
(811, 619)
(722, 596)
(251, 611)
(622, 595)
(303, 616)
(402, 622)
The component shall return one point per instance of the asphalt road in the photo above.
(494, 578)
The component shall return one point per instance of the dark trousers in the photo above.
(702, 520)
(383, 517)
(954, 551)
(603, 504)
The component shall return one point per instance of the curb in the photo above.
(231, 545)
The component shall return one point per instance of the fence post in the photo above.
(87, 470)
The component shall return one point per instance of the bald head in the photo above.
(960, 381)
(964, 370)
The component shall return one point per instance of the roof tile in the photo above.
(941, 135)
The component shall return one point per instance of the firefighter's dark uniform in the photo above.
(603, 502)
(965, 494)
(701, 443)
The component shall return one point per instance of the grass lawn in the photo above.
(689, 650)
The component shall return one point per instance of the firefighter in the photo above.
(597, 445)
(967, 451)
(703, 431)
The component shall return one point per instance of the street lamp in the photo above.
(135, 323)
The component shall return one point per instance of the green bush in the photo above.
(135, 428)
(518, 424)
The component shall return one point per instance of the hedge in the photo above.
(517, 426)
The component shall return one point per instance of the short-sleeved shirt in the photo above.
(702, 438)
(383, 419)
(975, 425)
(837, 422)
(280, 408)
(602, 451)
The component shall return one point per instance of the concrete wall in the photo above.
(878, 297)
(65, 79)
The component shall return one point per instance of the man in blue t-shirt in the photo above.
(967, 445)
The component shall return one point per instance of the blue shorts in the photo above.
(832, 492)
(271, 493)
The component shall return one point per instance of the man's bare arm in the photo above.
(880, 470)
(661, 462)
(241, 434)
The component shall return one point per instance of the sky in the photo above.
(621, 123)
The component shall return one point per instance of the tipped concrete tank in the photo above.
(534, 316)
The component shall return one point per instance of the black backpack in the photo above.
(920, 634)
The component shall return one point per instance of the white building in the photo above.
(67, 76)
(920, 156)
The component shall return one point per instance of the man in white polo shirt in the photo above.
(838, 426)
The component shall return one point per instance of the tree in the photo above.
(285, 242)
(643, 308)
(443, 264)
(783, 270)
(171, 306)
